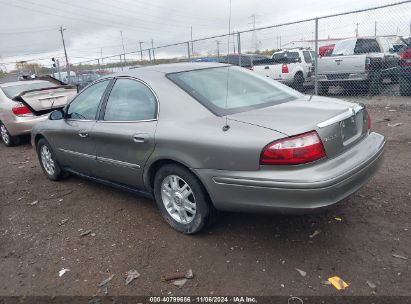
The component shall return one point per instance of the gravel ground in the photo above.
(41, 223)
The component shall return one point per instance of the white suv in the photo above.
(292, 67)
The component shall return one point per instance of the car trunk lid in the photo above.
(339, 124)
(45, 100)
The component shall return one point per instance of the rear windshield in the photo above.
(229, 90)
(286, 57)
(14, 90)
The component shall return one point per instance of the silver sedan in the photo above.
(201, 137)
(25, 103)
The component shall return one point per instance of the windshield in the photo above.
(14, 90)
(229, 90)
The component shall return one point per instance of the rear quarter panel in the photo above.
(189, 133)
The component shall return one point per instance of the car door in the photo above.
(124, 133)
(72, 137)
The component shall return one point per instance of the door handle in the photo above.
(267, 68)
(138, 139)
(83, 134)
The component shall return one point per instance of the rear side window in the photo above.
(85, 105)
(13, 91)
(364, 46)
(130, 100)
(307, 57)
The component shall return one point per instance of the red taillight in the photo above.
(284, 68)
(405, 57)
(294, 150)
(21, 110)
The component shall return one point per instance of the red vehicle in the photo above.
(405, 70)
(325, 50)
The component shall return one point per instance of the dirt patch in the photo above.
(241, 254)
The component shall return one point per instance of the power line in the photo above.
(88, 20)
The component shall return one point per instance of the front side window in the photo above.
(229, 90)
(130, 100)
(85, 105)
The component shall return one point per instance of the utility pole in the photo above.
(191, 36)
(65, 52)
(122, 42)
(234, 41)
(356, 30)
(218, 48)
(375, 28)
(141, 50)
(152, 47)
(58, 68)
(101, 53)
(254, 41)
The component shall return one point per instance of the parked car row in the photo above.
(360, 64)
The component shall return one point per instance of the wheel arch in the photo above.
(151, 169)
(37, 139)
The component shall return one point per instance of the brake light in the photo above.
(284, 68)
(294, 150)
(405, 57)
(21, 110)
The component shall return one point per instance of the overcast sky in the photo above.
(29, 28)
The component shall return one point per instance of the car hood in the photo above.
(295, 117)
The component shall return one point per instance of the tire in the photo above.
(322, 88)
(298, 82)
(48, 161)
(6, 138)
(405, 86)
(375, 83)
(186, 213)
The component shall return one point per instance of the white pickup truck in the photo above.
(292, 67)
(358, 63)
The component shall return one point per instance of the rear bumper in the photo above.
(351, 77)
(23, 125)
(301, 189)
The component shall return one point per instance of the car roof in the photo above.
(16, 83)
(170, 68)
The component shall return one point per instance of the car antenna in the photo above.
(226, 127)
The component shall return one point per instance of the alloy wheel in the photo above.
(47, 160)
(5, 135)
(178, 199)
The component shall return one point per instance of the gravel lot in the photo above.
(41, 223)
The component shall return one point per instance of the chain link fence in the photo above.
(360, 53)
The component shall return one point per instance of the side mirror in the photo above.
(57, 115)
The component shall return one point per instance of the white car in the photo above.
(292, 67)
